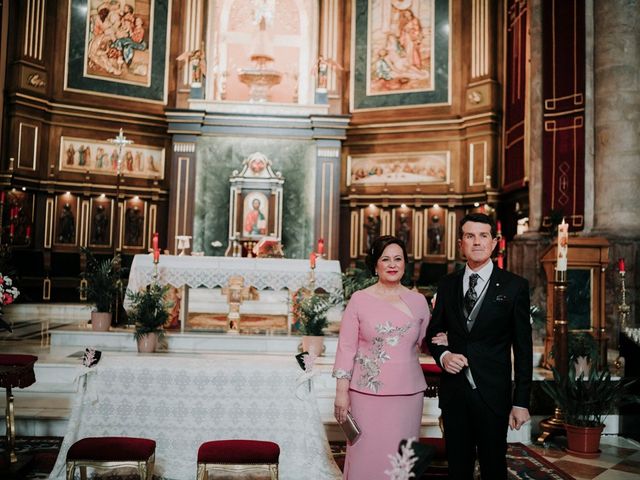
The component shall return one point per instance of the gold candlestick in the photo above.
(623, 315)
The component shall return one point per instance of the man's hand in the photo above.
(518, 417)
(454, 362)
(441, 339)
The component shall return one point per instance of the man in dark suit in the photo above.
(485, 312)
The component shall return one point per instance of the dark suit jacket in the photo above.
(502, 322)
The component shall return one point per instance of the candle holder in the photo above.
(312, 279)
(623, 316)
(555, 425)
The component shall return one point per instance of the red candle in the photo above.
(321, 246)
(28, 231)
(312, 259)
(499, 227)
(156, 248)
(621, 265)
(500, 260)
(2, 197)
(12, 229)
(502, 244)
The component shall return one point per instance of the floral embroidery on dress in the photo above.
(387, 335)
(340, 373)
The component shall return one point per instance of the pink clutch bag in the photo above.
(351, 429)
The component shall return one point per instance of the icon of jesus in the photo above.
(255, 221)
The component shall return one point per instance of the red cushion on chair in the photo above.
(238, 452)
(116, 449)
(430, 369)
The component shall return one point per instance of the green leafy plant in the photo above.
(582, 344)
(310, 310)
(149, 310)
(102, 281)
(354, 279)
(585, 401)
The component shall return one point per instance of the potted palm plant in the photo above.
(585, 401)
(100, 286)
(310, 311)
(149, 311)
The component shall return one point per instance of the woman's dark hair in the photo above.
(378, 246)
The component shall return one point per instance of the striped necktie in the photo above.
(471, 297)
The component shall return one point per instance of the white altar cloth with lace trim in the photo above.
(211, 272)
(182, 402)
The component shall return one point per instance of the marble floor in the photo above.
(619, 460)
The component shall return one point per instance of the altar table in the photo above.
(194, 271)
(183, 401)
(211, 272)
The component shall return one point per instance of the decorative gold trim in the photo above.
(452, 232)
(84, 222)
(418, 237)
(49, 210)
(353, 235)
(46, 289)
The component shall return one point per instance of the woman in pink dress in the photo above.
(379, 379)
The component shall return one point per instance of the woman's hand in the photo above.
(441, 339)
(341, 406)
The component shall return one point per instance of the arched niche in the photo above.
(232, 33)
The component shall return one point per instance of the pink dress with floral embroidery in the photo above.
(378, 353)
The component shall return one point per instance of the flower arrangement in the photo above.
(7, 290)
(310, 311)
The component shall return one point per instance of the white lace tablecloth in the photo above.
(181, 402)
(210, 272)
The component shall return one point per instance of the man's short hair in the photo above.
(478, 218)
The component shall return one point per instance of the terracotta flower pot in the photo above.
(148, 343)
(584, 441)
(100, 321)
(313, 344)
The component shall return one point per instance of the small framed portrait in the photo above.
(255, 215)
(100, 222)
(135, 220)
(66, 220)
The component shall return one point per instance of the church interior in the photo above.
(236, 157)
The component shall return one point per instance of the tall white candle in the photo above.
(563, 246)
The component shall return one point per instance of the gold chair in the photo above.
(238, 456)
(108, 453)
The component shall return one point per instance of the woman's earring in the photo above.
(375, 274)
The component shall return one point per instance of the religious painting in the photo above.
(435, 231)
(135, 216)
(255, 214)
(100, 222)
(118, 47)
(66, 220)
(400, 53)
(101, 157)
(399, 46)
(398, 168)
